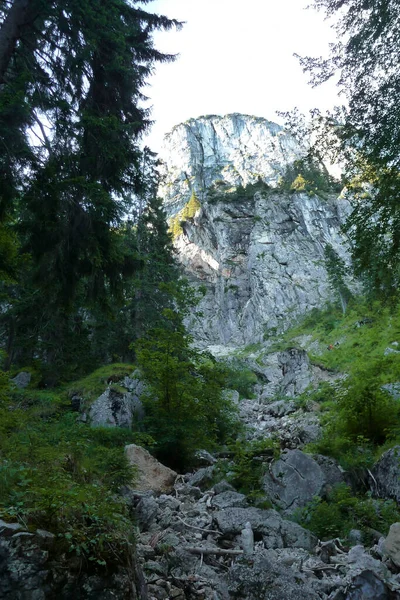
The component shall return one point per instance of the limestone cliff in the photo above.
(236, 149)
(260, 255)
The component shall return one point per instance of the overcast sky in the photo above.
(236, 56)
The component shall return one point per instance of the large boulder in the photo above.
(266, 524)
(387, 474)
(118, 407)
(152, 475)
(391, 544)
(261, 579)
(22, 380)
(294, 480)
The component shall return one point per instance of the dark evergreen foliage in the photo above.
(71, 118)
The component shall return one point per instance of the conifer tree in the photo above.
(71, 77)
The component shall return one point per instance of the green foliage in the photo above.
(185, 407)
(91, 386)
(240, 378)
(187, 212)
(342, 511)
(248, 466)
(217, 193)
(307, 175)
(337, 271)
(61, 475)
(75, 69)
(364, 131)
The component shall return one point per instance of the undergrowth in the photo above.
(59, 474)
(342, 511)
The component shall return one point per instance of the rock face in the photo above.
(234, 148)
(29, 571)
(387, 474)
(260, 257)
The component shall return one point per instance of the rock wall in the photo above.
(260, 257)
(236, 149)
(261, 262)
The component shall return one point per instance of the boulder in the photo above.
(294, 480)
(261, 579)
(296, 371)
(266, 524)
(366, 586)
(387, 474)
(202, 478)
(391, 545)
(22, 380)
(229, 499)
(115, 408)
(280, 408)
(146, 512)
(152, 475)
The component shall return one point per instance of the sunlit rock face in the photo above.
(237, 149)
(260, 258)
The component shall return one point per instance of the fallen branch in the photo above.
(198, 528)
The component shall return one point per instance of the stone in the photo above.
(28, 572)
(22, 380)
(275, 531)
(391, 545)
(222, 486)
(115, 408)
(294, 480)
(152, 475)
(257, 256)
(45, 538)
(203, 457)
(280, 408)
(261, 579)
(386, 474)
(355, 537)
(367, 586)
(202, 478)
(332, 472)
(229, 499)
(247, 540)
(146, 512)
(295, 536)
(8, 529)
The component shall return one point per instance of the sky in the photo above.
(236, 56)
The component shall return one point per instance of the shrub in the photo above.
(240, 378)
(248, 467)
(342, 511)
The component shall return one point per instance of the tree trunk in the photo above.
(20, 14)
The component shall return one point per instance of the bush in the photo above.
(240, 378)
(61, 475)
(248, 467)
(342, 512)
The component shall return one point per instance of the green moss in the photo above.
(90, 387)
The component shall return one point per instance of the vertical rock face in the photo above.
(259, 255)
(236, 149)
